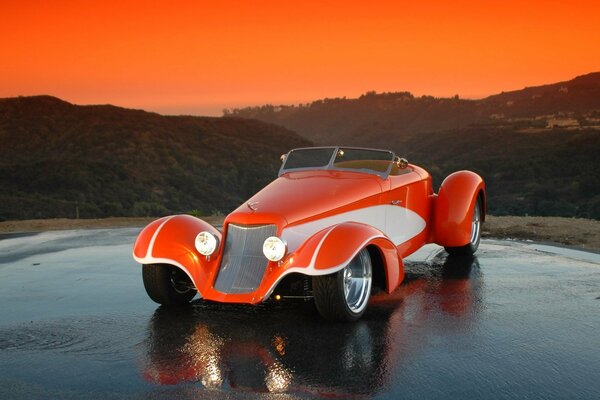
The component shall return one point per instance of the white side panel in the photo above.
(402, 224)
(398, 223)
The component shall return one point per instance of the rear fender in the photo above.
(454, 206)
(331, 249)
(170, 240)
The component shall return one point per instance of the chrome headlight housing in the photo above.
(206, 243)
(274, 248)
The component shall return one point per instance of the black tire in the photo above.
(166, 284)
(331, 298)
(470, 248)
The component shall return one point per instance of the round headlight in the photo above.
(206, 243)
(274, 248)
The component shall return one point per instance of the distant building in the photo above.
(562, 123)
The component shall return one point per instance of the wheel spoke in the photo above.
(357, 281)
(475, 224)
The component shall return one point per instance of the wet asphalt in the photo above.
(519, 321)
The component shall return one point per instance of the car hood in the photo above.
(299, 196)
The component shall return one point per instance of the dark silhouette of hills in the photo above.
(375, 117)
(538, 148)
(57, 158)
(579, 95)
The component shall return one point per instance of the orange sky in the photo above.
(198, 57)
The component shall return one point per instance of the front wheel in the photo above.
(471, 247)
(166, 284)
(344, 295)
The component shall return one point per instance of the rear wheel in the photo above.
(166, 284)
(344, 295)
(473, 244)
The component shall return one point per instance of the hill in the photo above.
(537, 148)
(377, 117)
(541, 173)
(57, 159)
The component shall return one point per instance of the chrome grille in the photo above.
(243, 264)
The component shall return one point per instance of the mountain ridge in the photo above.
(59, 160)
(401, 113)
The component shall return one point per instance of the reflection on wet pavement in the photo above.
(513, 323)
(285, 348)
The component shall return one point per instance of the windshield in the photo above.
(373, 161)
(308, 158)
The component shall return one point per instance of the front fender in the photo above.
(170, 240)
(331, 249)
(454, 208)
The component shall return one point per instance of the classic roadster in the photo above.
(335, 226)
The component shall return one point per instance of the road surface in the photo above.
(520, 321)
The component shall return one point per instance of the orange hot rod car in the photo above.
(335, 225)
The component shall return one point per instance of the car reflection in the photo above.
(270, 348)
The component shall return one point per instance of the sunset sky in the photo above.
(198, 57)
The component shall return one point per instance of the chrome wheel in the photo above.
(357, 281)
(476, 224)
(344, 295)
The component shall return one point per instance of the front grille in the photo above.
(243, 264)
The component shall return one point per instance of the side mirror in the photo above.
(282, 158)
